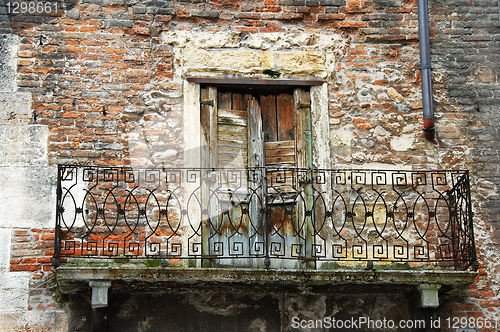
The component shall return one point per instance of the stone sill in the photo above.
(134, 279)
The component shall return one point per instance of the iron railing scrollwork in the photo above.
(260, 217)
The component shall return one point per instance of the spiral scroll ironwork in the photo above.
(247, 215)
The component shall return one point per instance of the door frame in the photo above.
(193, 132)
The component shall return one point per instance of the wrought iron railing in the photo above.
(284, 218)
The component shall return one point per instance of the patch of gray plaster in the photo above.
(53, 321)
(9, 46)
(402, 143)
(15, 108)
(23, 145)
(168, 155)
(27, 198)
(4, 249)
(13, 285)
(14, 291)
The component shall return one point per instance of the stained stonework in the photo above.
(289, 54)
(8, 63)
(26, 201)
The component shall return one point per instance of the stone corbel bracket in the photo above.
(429, 295)
(99, 293)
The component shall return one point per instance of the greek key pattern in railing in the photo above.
(265, 217)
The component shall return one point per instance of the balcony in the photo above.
(266, 217)
(264, 225)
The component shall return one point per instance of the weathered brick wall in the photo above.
(101, 69)
(106, 86)
(465, 48)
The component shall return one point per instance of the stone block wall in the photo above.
(103, 82)
(26, 206)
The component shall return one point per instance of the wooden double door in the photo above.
(258, 144)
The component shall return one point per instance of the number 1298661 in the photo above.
(32, 7)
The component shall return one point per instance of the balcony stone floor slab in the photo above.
(145, 279)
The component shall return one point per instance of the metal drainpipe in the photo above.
(425, 68)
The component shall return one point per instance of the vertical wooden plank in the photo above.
(224, 100)
(302, 102)
(256, 138)
(205, 128)
(238, 102)
(300, 158)
(212, 142)
(233, 135)
(269, 120)
(256, 160)
(285, 115)
(209, 159)
(303, 136)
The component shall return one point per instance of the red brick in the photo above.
(486, 293)
(249, 29)
(273, 25)
(269, 9)
(331, 17)
(38, 276)
(353, 24)
(21, 246)
(47, 268)
(44, 260)
(252, 16)
(490, 303)
(25, 268)
(22, 239)
(28, 260)
(73, 49)
(254, 23)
